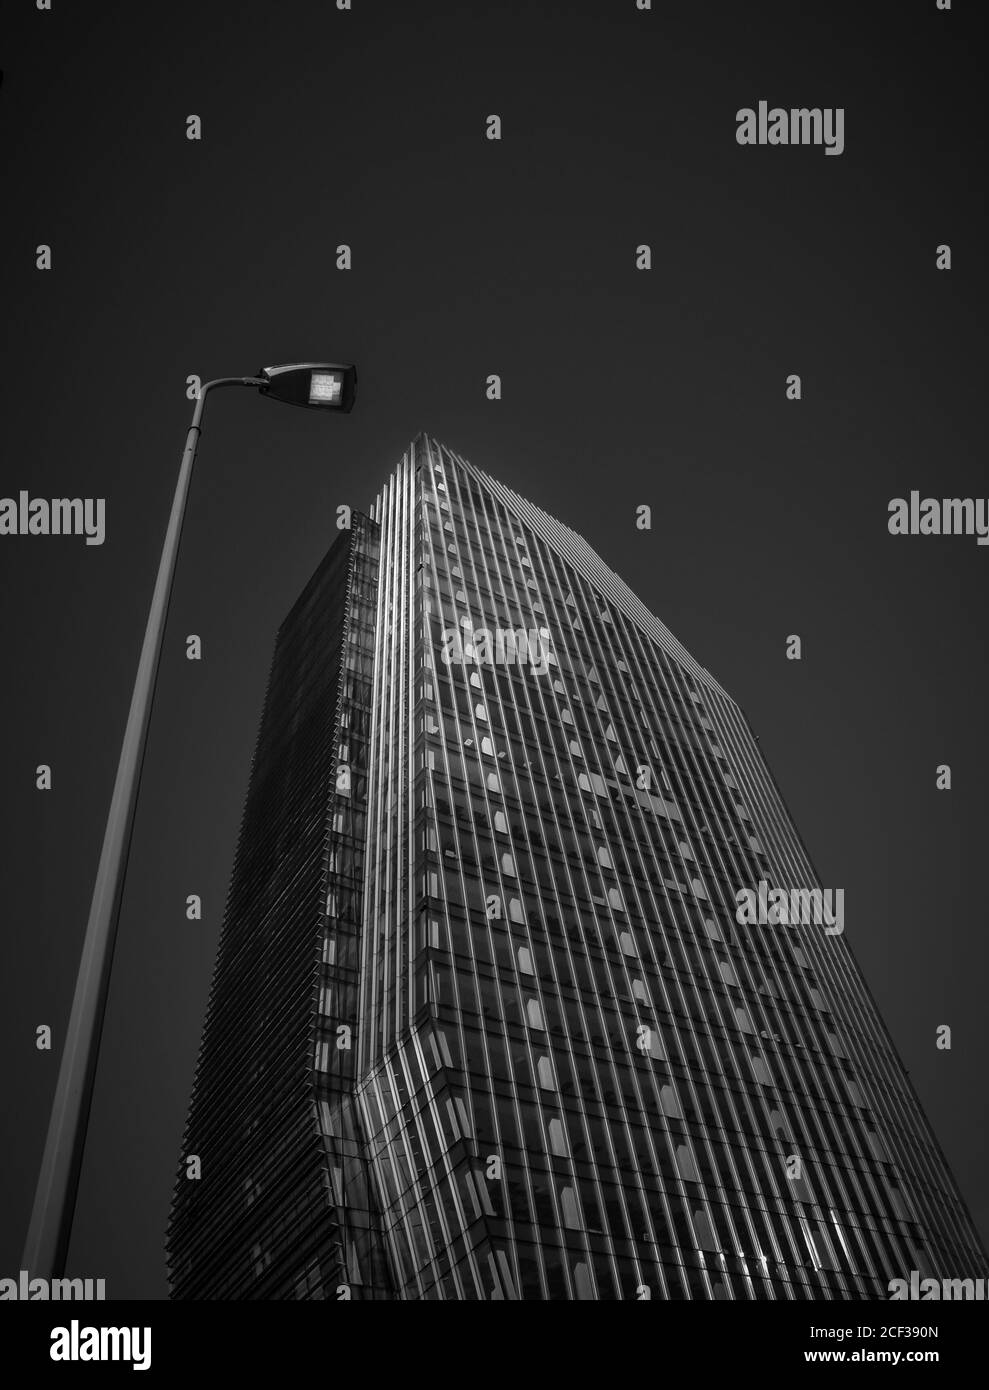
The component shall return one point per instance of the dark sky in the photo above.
(620, 387)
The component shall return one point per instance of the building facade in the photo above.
(487, 1020)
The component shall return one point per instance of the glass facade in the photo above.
(482, 945)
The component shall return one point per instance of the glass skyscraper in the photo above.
(485, 1021)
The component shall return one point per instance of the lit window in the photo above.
(670, 1104)
(686, 1165)
(544, 1071)
(569, 1209)
(558, 1145)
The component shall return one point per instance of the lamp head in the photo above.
(313, 385)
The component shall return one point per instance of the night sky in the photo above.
(621, 387)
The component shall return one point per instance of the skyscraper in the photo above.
(490, 1019)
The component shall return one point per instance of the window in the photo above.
(534, 1014)
(761, 1069)
(544, 1072)
(670, 1104)
(569, 1209)
(686, 1165)
(309, 1284)
(558, 1145)
(704, 1231)
(877, 1146)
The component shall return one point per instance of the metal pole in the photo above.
(47, 1244)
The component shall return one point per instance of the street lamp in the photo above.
(315, 386)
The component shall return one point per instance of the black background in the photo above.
(666, 387)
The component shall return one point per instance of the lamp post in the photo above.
(312, 385)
